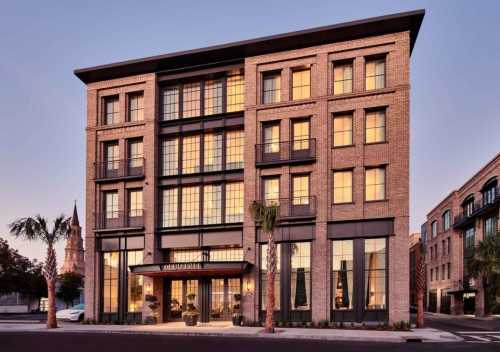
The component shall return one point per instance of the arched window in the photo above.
(468, 205)
(490, 191)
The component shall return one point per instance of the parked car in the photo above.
(74, 313)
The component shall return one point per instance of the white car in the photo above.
(74, 313)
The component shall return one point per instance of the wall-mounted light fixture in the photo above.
(249, 287)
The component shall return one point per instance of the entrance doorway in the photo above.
(223, 302)
(177, 297)
(469, 303)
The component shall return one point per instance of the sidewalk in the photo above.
(225, 329)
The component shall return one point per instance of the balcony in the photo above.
(118, 169)
(113, 220)
(479, 208)
(291, 152)
(296, 207)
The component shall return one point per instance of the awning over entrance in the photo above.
(191, 269)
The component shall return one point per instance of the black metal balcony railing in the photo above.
(295, 207)
(285, 152)
(119, 219)
(477, 208)
(133, 167)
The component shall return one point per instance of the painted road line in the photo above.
(478, 338)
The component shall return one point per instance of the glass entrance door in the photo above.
(222, 298)
(179, 301)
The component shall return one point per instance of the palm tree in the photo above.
(35, 229)
(420, 285)
(267, 216)
(485, 266)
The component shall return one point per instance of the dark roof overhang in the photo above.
(191, 269)
(237, 51)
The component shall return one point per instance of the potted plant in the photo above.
(154, 305)
(190, 316)
(237, 316)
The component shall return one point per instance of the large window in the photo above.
(212, 204)
(110, 282)
(375, 74)
(170, 207)
(135, 282)
(135, 203)
(170, 157)
(470, 237)
(271, 88)
(375, 184)
(111, 110)
(446, 220)
(301, 135)
(342, 186)
(136, 107)
(375, 126)
(342, 130)
(342, 274)
(468, 206)
(489, 193)
(191, 100)
(191, 154)
(190, 206)
(170, 98)
(135, 153)
(271, 190)
(235, 93)
(185, 255)
(490, 226)
(213, 97)
(234, 202)
(300, 189)
(226, 254)
(112, 155)
(212, 155)
(301, 84)
(263, 277)
(235, 142)
(111, 204)
(300, 280)
(434, 228)
(375, 273)
(272, 138)
(342, 78)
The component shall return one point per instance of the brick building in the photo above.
(453, 227)
(180, 145)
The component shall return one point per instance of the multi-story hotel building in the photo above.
(461, 220)
(180, 145)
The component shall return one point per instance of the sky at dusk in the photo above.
(455, 96)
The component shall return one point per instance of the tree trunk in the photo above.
(50, 273)
(420, 309)
(271, 268)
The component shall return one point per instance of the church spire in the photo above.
(74, 218)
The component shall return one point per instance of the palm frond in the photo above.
(29, 228)
(267, 215)
(61, 228)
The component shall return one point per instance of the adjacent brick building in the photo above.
(180, 145)
(452, 229)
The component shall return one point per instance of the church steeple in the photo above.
(73, 252)
(74, 218)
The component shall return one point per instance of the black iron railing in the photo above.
(282, 152)
(477, 208)
(133, 167)
(295, 207)
(119, 219)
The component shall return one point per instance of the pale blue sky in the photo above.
(455, 120)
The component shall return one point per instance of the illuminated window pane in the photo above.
(136, 107)
(170, 98)
(271, 90)
(212, 152)
(342, 78)
(111, 206)
(111, 110)
(191, 100)
(300, 186)
(375, 273)
(213, 97)
(375, 127)
(190, 206)
(226, 254)
(170, 157)
(272, 139)
(135, 203)
(300, 280)
(375, 184)
(135, 282)
(136, 154)
(301, 135)
(112, 156)
(235, 93)
(342, 274)
(234, 202)
(185, 256)
(301, 84)
(342, 186)
(191, 154)
(271, 190)
(212, 203)
(342, 130)
(110, 282)
(170, 207)
(375, 74)
(235, 142)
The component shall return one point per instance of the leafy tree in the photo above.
(35, 229)
(267, 216)
(485, 266)
(69, 288)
